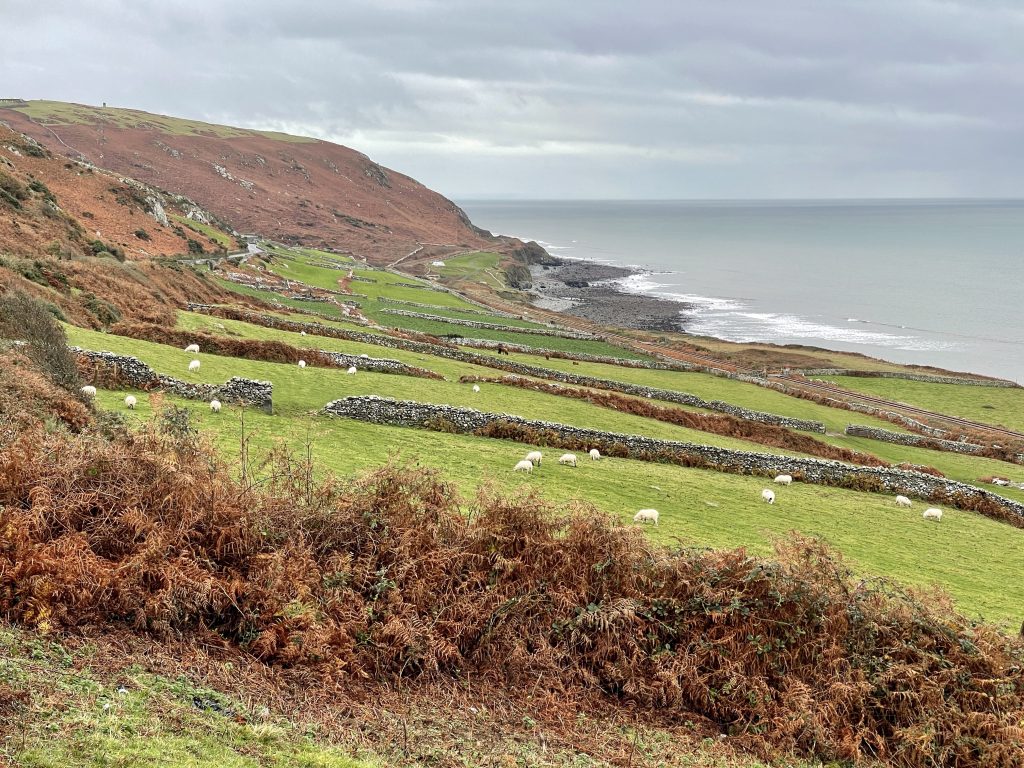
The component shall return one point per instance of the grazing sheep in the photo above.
(1000, 481)
(568, 458)
(524, 466)
(932, 514)
(535, 457)
(302, 333)
(784, 479)
(768, 495)
(193, 348)
(595, 454)
(903, 501)
(476, 387)
(215, 406)
(193, 366)
(646, 516)
(130, 401)
(89, 390)
(351, 371)
(302, 363)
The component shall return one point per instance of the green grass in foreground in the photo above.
(999, 406)
(972, 557)
(77, 718)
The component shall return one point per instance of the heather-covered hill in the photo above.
(289, 188)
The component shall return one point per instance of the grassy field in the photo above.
(206, 230)
(79, 717)
(974, 558)
(64, 113)
(480, 267)
(299, 391)
(999, 406)
(956, 466)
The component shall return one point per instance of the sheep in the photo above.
(784, 479)
(646, 516)
(932, 514)
(568, 458)
(193, 366)
(365, 357)
(193, 348)
(215, 406)
(476, 387)
(130, 402)
(302, 333)
(524, 466)
(768, 495)
(595, 455)
(89, 390)
(302, 363)
(534, 457)
(351, 371)
(1000, 481)
(903, 501)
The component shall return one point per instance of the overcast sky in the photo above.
(572, 98)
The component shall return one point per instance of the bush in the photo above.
(194, 246)
(31, 320)
(142, 234)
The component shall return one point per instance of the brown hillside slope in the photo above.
(284, 187)
(71, 205)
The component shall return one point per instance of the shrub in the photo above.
(142, 234)
(195, 247)
(31, 320)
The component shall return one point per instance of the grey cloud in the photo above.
(737, 98)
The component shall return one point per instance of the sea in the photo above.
(929, 282)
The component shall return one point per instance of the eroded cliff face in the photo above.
(288, 188)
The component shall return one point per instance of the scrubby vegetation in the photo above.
(347, 579)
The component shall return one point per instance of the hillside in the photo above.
(289, 188)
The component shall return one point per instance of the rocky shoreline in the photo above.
(588, 289)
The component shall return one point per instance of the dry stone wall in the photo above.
(919, 441)
(923, 377)
(136, 373)
(407, 413)
(491, 326)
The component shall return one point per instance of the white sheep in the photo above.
(903, 501)
(646, 516)
(130, 401)
(302, 363)
(351, 371)
(215, 406)
(784, 479)
(365, 357)
(595, 454)
(89, 390)
(193, 348)
(768, 495)
(193, 366)
(535, 457)
(476, 387)
(932, 514)
(302, 333)
(1000, 481)
(568, 458)
(524, 466)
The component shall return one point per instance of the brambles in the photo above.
(345, 580)
(24, 318)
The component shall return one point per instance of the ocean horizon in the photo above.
(920, 281)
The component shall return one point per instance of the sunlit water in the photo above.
(927, 282)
